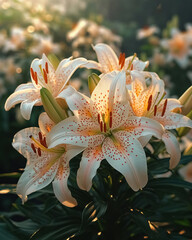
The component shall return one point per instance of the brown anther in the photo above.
(149, 103)
(105, 127)
(155, 110)
(40, 137)
(35, 78)
(39, 152)
(33, 147)
(30, 136)
(45, 76)
(131, 68)
(120, 58)
(46, 67)
(123, 60)
(32, 73)
(44, 143)
(101, 126)
(98, 118)
(164, 108)
(110, 120)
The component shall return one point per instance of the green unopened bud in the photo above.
(54, 60)
(184, 130)
(51, 107)
(93, 80)
(186, 101)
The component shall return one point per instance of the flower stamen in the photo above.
(46, 68)
(98, 118)
(33, 147)
(45, 76)
(32, 73)
(110, 119)
(105, 127)
(155, 110)
(101, 126)
(35, 78)
(122, 60)
(164, 108)
(149, 103)
(39, 152)
(130, 67)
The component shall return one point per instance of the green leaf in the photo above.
(11, 175)
(168, 182)
(5, 233)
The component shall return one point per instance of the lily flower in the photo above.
(44, 75)
(104, 125)
(149, 101)
(44, 165)
(108, 61)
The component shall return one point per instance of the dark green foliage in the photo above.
(110, 210)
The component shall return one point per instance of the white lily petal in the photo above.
(143, 126)
(174, 120)
(27, 106)
(77, 102)
(25, 86)
(20, 96)
(65, 71)
(171, 105)
(140, 65)
(110, 95)
(60, 186)
(89, 164)
(144, 140)
(127, 156)
(92, 65)
(106, 57)
(45, 123)
(36, 176)
(173, 148)
(83, 132)
(22, 142)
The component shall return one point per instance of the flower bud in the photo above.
(51, 107)
(186, 101)
(54, 60)
(93, 80)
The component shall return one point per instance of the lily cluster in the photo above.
(126, 108)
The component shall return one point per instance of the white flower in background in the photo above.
(87, 32)
(178, 49)
(44, 44)
(147, 32)
(16, 40)
(9, 68)
(186, 172)
(105, 126)
(44, 165)
(39, 25)
(43, 75)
